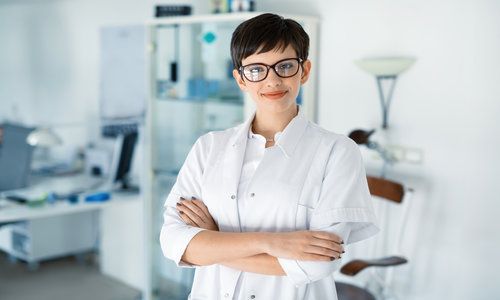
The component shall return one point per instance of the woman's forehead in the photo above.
(272, 56)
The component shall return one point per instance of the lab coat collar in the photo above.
(288, 140)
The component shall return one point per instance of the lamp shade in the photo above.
(385, 66)
(43, 137)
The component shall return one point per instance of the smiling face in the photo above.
(274, 94)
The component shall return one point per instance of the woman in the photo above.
(262, 210)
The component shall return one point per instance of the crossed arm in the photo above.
(255, 252)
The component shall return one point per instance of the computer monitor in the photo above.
(122, 161)
(15, 157)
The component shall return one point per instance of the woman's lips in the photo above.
(274, 95)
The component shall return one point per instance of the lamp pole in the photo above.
(385, 102)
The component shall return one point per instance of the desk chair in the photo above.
(391, 192)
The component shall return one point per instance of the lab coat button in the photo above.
(252, 194)
(252, 297)
(233, 197)
(226, 295)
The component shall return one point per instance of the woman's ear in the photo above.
(241, 83)
(306, 70)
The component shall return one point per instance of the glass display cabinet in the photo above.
(192, 92)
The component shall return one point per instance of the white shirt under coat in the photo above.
(310, 179)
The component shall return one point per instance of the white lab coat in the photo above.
(311, 179)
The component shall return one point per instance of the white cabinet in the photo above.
(44, 238)
(192, 92)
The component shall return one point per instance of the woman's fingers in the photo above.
(328, 244)
(197, 211)
(332, 243)
(316, 257)
(306, 245)
(186, 219)
(202, 206)
(187, 210)
(194, 208)
(324, 235)
(322, 252)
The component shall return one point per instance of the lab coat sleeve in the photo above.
(175, 234)
(344, 208)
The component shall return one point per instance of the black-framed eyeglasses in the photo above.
(284, 68)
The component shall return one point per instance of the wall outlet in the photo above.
(414, 155)
(407, 154)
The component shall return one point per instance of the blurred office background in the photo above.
(443, 114)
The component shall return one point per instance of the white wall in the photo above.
(49, 59)
(445, 104)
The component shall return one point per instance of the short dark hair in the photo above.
(266, 32)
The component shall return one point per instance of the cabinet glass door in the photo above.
(193, 93)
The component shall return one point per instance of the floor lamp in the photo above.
(385, 69)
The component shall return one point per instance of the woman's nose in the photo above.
(273, 79)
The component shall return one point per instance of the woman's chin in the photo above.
(276, 106)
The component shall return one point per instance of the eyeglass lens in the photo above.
(258, 72)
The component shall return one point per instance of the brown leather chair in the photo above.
(395, 193)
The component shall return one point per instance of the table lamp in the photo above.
(43, 137)
(385, 69)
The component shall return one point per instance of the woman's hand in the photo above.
(305, 245)
(195, 213)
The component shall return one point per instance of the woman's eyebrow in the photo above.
(263, 63)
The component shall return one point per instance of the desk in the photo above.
(13, 212)
(114, 227)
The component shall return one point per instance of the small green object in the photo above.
(38, 201)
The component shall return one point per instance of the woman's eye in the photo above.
(285, 66)
(255, 69)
